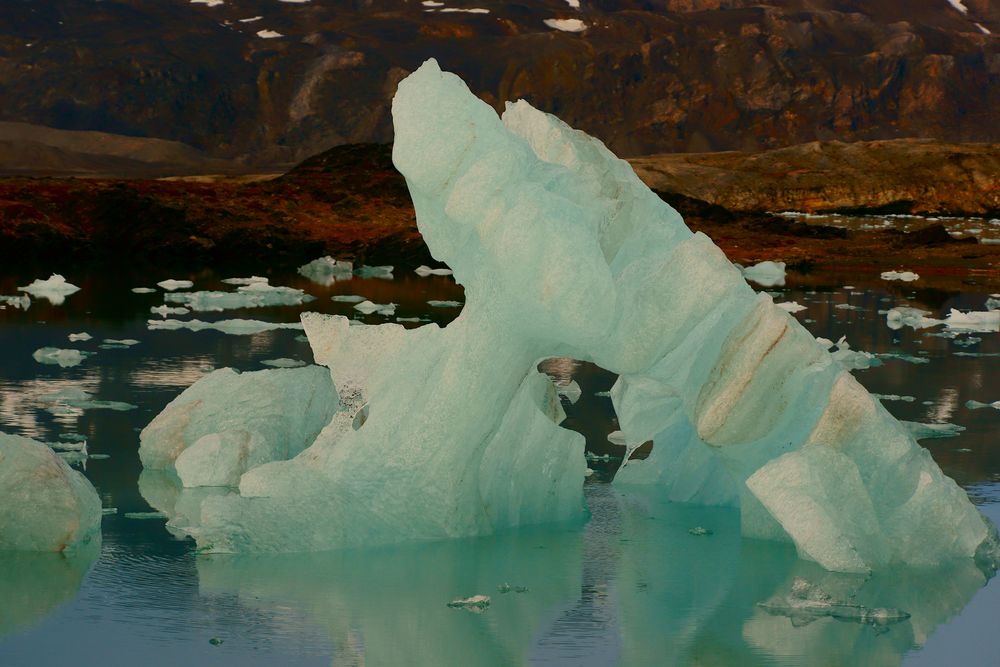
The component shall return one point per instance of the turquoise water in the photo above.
(632, 586)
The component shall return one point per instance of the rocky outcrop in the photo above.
(646, 77)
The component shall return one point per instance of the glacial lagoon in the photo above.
(641, 582)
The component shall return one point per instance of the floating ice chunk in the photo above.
(254, 295)
(905, 276)
(269, 34)
(145, 516)
(921, 431)
(74, 397)
(850, 359)
(986, 321)
(143, 290)
(424, 271)
(807, 602)
(73, 437)
(993, 303)
(444, 304)
(170, 284)
(904, 316)
(791, 306)
(700, 531)
(261, 416)
(348, 298)
(47, 506)
(22, 302)
(235, 327)
(125, 342)
(566, 25)
(475, 603)
(384, 272)
(283, 362)
(61, 357)
(766, 274)
(82, 336)
(894, 397)
(617, 438)
(976, 405)
(244, 281)
(367, 307)
(571, 391)
(327, 270)
(55, 289)
(165, 310)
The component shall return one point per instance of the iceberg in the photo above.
(171, 284)
(562, 251)
(766, 274)
(985, 321)
(47, 505)
(367, 307)
(257, 294)
(55, 356)
(55, 289)
(20, 302)
(327, 270)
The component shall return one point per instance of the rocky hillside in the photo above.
(270, 82)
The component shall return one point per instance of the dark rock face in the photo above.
(645, 76)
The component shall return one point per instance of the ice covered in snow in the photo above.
(905, 276)
(986, 321)
(562, 251)
(327, 270)
(566, 25)
(236, 327)
(766, 274)
(367, 307)
(55, 356)
(55, 289)
(256, 294)
(47, 506)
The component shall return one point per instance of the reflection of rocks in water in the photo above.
(32, 585)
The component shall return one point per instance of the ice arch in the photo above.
(564, 252)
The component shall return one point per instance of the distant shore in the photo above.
(351, 203)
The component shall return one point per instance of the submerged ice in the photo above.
(562, 251)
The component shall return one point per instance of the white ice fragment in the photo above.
(985, 321)
(444, 304)
(244, 281)
(976, 405)
(905, 276)
(475, 603)
(47, 506)
(475, 10)
(894, 397)
(367, 307)
(432, 3)
(617, 438)
(269, 34)
(283, 362)
(904, 316)
(236, 327)
(566, 25)
(327, 270)
(766, 274)
(171, 284)
(125, 342)
(74, 397)
(348, 298)
(82, 336)
(571, 391)
(383, 272)
(165, 310)
(22, 302)
(959, 5)
(143, 290)
(424, 271)
(61, 357)
(791, 306)
(808, 602)
(55, 289)
(258, 294)
(208, 3)
(921, 431)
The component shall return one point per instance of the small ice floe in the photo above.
(108, 511)
(409, 319)
(921, 431)
(269, 34)
(444, 304)
(383, 272)
(257, 294)
(236, 327)
(617, 438)
(367, 307)
(20, 302)
(976, 354)
(604, 394)
(251, 19)
(65, 358)
(766, 274)
(474, 10)
(791, 306)
(165, 310)
(993, 302)
(571, 391)
(208, 3)
(55, 289)
(905, 276)
(566, 25)
(283, 362)
(424, 271)
(976, 405)
(505, 588)
(604, 458)
(808, 602)
(145, 516)
(73, 437)
(327, 270)
(894, 397)
(983, 321)
(847, 306)
(854, 360)
(244, 281)
(348, 298)
(79, 399)
(124, 342)
(143, 290)
(476, 603)
(699, 531)
(967, 342)
(432, 3)
(170, 284)
(904, 316)
(81, 337)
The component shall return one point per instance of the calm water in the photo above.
(632, 587)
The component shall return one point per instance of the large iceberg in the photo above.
(47, 506)
(562, 251)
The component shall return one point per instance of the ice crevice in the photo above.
(444, 432)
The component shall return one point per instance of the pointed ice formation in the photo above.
(563, 251)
